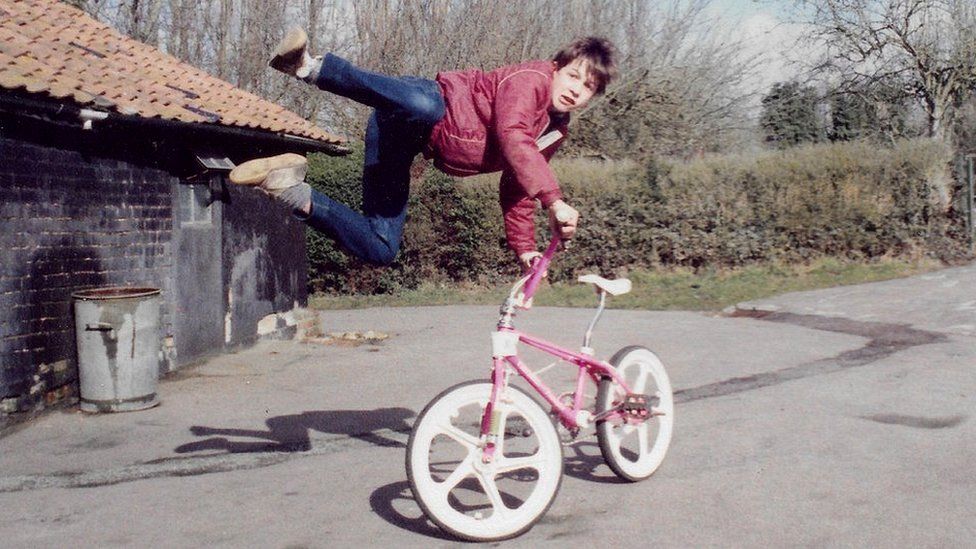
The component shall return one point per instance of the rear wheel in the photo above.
(632, 449)
(484, 501)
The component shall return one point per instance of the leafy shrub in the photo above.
(853, 200)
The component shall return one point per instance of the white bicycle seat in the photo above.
(612, 287)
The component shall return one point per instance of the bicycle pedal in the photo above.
(634, 402)
(636, 405)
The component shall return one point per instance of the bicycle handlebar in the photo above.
(539, 268)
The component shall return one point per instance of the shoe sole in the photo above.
(253, 172)
(288, 50)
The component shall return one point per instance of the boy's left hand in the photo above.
(527, 259)
(563, 219)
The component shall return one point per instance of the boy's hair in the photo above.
(598, 51)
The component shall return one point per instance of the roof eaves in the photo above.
(72, 112)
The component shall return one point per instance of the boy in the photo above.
(511, 119)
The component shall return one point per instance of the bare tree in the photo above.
(925, 47)
(678, 91)
(142, 20)
(219, 26)
(680, 87)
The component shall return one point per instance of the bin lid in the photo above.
(116, 292)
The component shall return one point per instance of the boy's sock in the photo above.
(291, 56)
(281, 176)
(309, 69)
(297, 196)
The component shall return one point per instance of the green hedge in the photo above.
(850, 200)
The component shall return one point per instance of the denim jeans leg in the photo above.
(347, 226)
(405, 111)
(375, 235)
(411, 100)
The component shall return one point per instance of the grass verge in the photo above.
(660, 290)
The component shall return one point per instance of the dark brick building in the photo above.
(105, 145)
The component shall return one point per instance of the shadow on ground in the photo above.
(396, 504)
(291, 433)
(386, 502)
(584, 461)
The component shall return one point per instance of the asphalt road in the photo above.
(840, 417)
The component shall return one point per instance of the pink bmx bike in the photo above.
(485, 459)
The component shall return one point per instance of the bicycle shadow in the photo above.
(383, 502)
(291, 433)
(583, 460)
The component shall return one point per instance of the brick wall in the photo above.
(69, 220)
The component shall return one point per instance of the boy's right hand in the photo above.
(563, 219)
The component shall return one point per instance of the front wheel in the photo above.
(463, 495)
(634, 449)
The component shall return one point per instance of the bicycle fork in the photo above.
(491, 424)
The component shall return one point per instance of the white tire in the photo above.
(471, 499)
(634, 452)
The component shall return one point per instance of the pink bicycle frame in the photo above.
(588, 368)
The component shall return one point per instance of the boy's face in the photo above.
(572, 88)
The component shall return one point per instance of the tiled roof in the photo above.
(51, 49)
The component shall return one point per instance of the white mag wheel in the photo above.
(632, 451)
(484, 501)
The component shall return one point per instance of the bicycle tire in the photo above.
(449, 498)
(637, 459)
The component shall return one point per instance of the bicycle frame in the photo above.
(505, 341)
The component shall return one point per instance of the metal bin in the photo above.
(118, 339)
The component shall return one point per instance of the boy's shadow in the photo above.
(290, 433)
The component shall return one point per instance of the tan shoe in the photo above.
(272, 174)
(290, 54)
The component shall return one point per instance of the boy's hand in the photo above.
(527, 259)
(563, 219)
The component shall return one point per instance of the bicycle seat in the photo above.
(612, 287)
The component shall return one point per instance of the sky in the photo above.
(767, 30)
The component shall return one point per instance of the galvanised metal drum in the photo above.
(118, 338)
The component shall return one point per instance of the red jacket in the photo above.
(492, 123)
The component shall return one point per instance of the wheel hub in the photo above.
(483, 467)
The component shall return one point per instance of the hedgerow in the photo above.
(849, 200)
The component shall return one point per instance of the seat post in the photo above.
(599, 311)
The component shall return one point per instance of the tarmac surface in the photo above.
(838, 417)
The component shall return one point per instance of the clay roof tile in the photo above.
(50, 48)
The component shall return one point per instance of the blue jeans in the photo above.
(405, 109)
